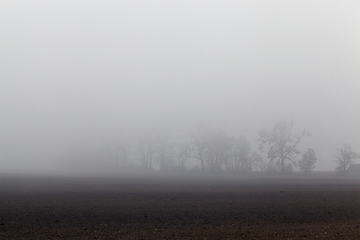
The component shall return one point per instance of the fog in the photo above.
(80, 75)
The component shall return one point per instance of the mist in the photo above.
(80, 75)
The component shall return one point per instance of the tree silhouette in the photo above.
(344, 158)
(185, 153)
(163, 142)
(146, 150)
(307, 163)
(199, 143)
(240, 157)
(282, 143)
(217, 150)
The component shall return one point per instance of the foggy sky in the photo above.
(72, 71)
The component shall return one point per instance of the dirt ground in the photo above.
(188, 207)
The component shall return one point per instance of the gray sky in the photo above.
(72, 70)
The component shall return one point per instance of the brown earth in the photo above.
(40, 207)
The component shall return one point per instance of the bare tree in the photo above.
(120, 150)
(242, 158)
(199, 143)
(307, 163)
(217, 150)
(344, 158)
(146, 150)
(241, 154)
(163, 142)
(282, 143)
(186, 150)
(254, 158)
(233, 155)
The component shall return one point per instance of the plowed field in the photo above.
(39, 207)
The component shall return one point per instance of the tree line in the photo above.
(215, 151)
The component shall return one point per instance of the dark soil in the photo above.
(188, 208)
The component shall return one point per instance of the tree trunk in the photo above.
(282, 165)
(202, 163)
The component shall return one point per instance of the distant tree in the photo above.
(344, 158)
(185, 153)
(242, 152)
(307, 163)
(164, 146)
(199, 142)
(241, 158)
(217, 150)
(120, 150)
(282, 143)
(255, 158)
(146, 150)
(212, 148)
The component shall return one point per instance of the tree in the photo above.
(241, 158)
(344, 158)
(242, 153)
(146, 150)
(212, 148)
(282, 143)
(163, 142)
(307, 163)
(217, 150)
(119, 150)
(186, 150)
(199, 143)
(254, 158)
